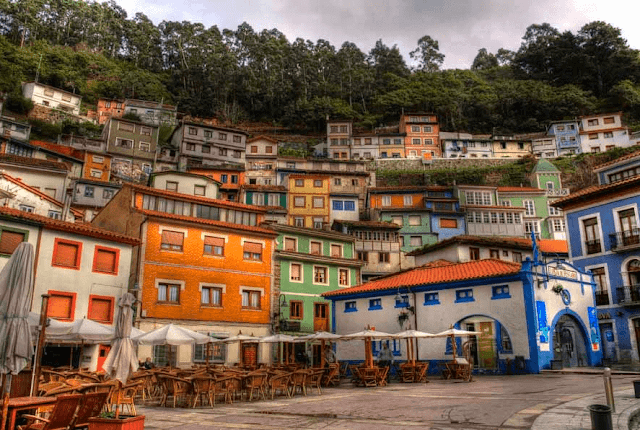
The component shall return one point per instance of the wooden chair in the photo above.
(381, 376)
(407, 373)
(332, 375)
(91, 406)
(222, 386)
(298, 382)
(202, 389)
(175, 387)
(314, 379)
(125, 396)
(256, 382)
(279, 381)
(356, 378)
(60, 417)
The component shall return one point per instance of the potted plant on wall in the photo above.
(557, 288)
(404, 315)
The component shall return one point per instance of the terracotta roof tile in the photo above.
(441, 273)
(410, 188)
(210, 222)
(67, 151)
(550, 246)
(520, 190)
(197, 199)
(27, 161)
(262, 136)
(594, 191)
(630, 156)
(70, 227)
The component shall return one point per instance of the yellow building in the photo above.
(308, 200)
(511, 146)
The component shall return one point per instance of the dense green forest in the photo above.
(96, 50)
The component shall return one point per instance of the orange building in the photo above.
(205, 264)
(97, 166)
(109, 109)
(422, 134)
(231, 178)
(402, 197)
(308, 200)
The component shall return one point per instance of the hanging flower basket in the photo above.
(557, 289)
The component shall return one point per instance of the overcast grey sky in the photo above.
(461, 27)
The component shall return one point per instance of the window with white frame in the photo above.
(530, 209)
(530, 226)
(319, 275)
(554, 211)
(415, 220)
(558, 225)
(343, 277)
(386, 200)
(480, 198)
(408, 200)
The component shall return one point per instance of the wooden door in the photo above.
(250, 354)
(103, 351)
(321, 317)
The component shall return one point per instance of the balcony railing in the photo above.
(558, 192)
(602, 298)
(629, 294)
(625, 240)
(593, 246)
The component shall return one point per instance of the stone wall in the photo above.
(439, 163)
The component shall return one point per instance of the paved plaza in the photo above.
(545, 401)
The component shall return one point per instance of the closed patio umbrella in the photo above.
(16, 290)
(122, 358)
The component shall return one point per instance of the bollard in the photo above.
(600, 417)
(608, 388)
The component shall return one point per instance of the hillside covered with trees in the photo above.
(96, 50)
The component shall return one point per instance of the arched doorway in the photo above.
(484, 348)
(569, 343)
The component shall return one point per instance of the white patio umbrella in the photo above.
(409, 335)
(16, 290)
(171, 334)
(122, 358)
(367, 335)
(323, 337)
(53, 325)
(278, 338)
(453, 333)
(238, 338)
(82, 330)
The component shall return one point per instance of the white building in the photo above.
(53, 98)
(602, 132)
(18, 195)
(186, 183)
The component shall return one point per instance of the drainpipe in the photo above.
(415, 319)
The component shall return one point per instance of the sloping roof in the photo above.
(369, 224)
(550, 246)
(545, 166)
(257, 187)
(596, 190)
(66, 151)
(210, 222)
(521, 190)
(263, 137)
(196, 199)
(441, 273)
(410, 188)
(35, 162)
(630, 156)
(69, 227)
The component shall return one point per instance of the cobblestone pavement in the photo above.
(490, 402)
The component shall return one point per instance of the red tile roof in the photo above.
(264, 187)
(520, 190)
(262, 136)
(630, 156)
(550, 246)
(197, 199)
(226, 225)
(69, 227)
(60, 149)
(27, 161)
(441, 273)
(596, 190)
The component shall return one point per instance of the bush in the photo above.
(18, 104)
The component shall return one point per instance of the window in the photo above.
(206, 149)
(221, 151)
(336, 250)
(593, 136)
(145, 147)
(338, 205)
(234, 179)
(363, 256)
(517, 257)
(105, 260)
(530, 209)
(415, 240)
(428, 142)
(600, 279)
(315, 247)
(478, 198)
(448, 223)
(168, 292)
(319, 275)
(383, 257)
(211, 296)
(500, 292)
(350, 306)
(343, 277)
(62, 305)
(415, 142)
(375, 304)
(199, 190)
(608, 135)
(298, 221)
(494, 253)
(171, 186)
(591, 235)
(295, 272)
(431, 299)
(101, 309)
(88, 191)
(465, 295)
(474, 253)
(193, 131)
(299, 182)
(224, 178)
(66, 254)
(54, 214)
(172, 240)
(386, 200)
(592, 122)
(268, 149)
(213, 246)
(318, 202)
(290, 244)
(397, 219)
(558, 225)
(9, 241)
(415, 220)
(296, 309)
(532, 226)
(299, 201)
(254, 149)
(349, 206)
(237, 139)
(408, 200)
(317, 183)
(252, 251)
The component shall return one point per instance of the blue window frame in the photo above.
(403, 302)
(223, 179)
(375, 304)
(431, 299)
(350, 306)
(465, 295)
(394, 345)
(349, 206)
(500, 292)
(338, 205)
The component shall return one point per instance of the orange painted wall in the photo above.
(397, 201)
(104, 112)
(192, 267)
(104, 167)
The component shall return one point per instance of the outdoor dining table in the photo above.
(20, 404)
(414, 372)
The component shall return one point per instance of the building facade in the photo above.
(600, 133)
(421, 132)
(201, 145)
(52, 98)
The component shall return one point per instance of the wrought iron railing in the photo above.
(602, 298)
(593, 246)
(629, 294)
(625, 239)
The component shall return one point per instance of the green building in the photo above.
(309, 262)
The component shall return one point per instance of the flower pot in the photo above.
(122, 423)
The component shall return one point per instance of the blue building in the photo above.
(603, 235)
(567, 134)
(447, 219)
